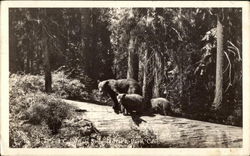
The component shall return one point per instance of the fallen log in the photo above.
(174, 131)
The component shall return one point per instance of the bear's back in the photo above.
(159, 102)
(133, 102)
(135, 97)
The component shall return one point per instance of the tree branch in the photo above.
(230, 70)
(238, 51)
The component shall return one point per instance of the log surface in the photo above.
(174, 131)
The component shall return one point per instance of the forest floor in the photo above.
(170, 131)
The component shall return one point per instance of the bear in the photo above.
(160, 105)
(114, 87)
(131, 103)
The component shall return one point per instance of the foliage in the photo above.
(63, 86)
(33, 114)
(91, 44)
(41, 120)
(103, 99)
(72, 40)
(69, 88)
(232, 72)
(21, 84)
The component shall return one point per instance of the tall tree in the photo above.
(148, 61)
(147, 76)
(219, 65)
(158, 58)
(45, 43)
(158, 74)
(12, 41)
(133, 59)
(90, 35)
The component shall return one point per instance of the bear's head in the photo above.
(102, 86)
(155, 109)
(154, 106)
(120, 97)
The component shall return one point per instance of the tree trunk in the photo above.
(47, 70)
(147, 78)
(133, 59)
(94, 61)
(28, 59)
(87, 41)
(31, 65)
(170, 131)
(108, 54)
(219, 66)
(91, 43)
(158, 57)
(39, 56)
(32, 50)
(13, 60)
(158, 74)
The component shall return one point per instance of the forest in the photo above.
(190, 56)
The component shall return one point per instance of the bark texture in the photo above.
(147, 78)
(133, 59)
(219, 67)
(47, 68)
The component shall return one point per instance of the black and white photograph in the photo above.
(124, 77)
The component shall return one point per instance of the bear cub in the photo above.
(131, 103)
(160, 106)
(113, 87)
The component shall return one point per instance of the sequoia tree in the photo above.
(45, 43)
(219, 66)
(133, 60)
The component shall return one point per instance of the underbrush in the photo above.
(35, 117)
(62, 86)
(131, 139)
(39, 120)
(69, 88)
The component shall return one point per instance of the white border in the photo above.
(4, 66)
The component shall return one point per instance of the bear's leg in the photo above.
(125, 112)
(166, 109)
(140, 112)
(165, 112)
(116, 105)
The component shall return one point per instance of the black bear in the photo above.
(114, 87)
(160, 105)
(131, 103)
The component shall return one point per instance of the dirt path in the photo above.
(179, 132)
